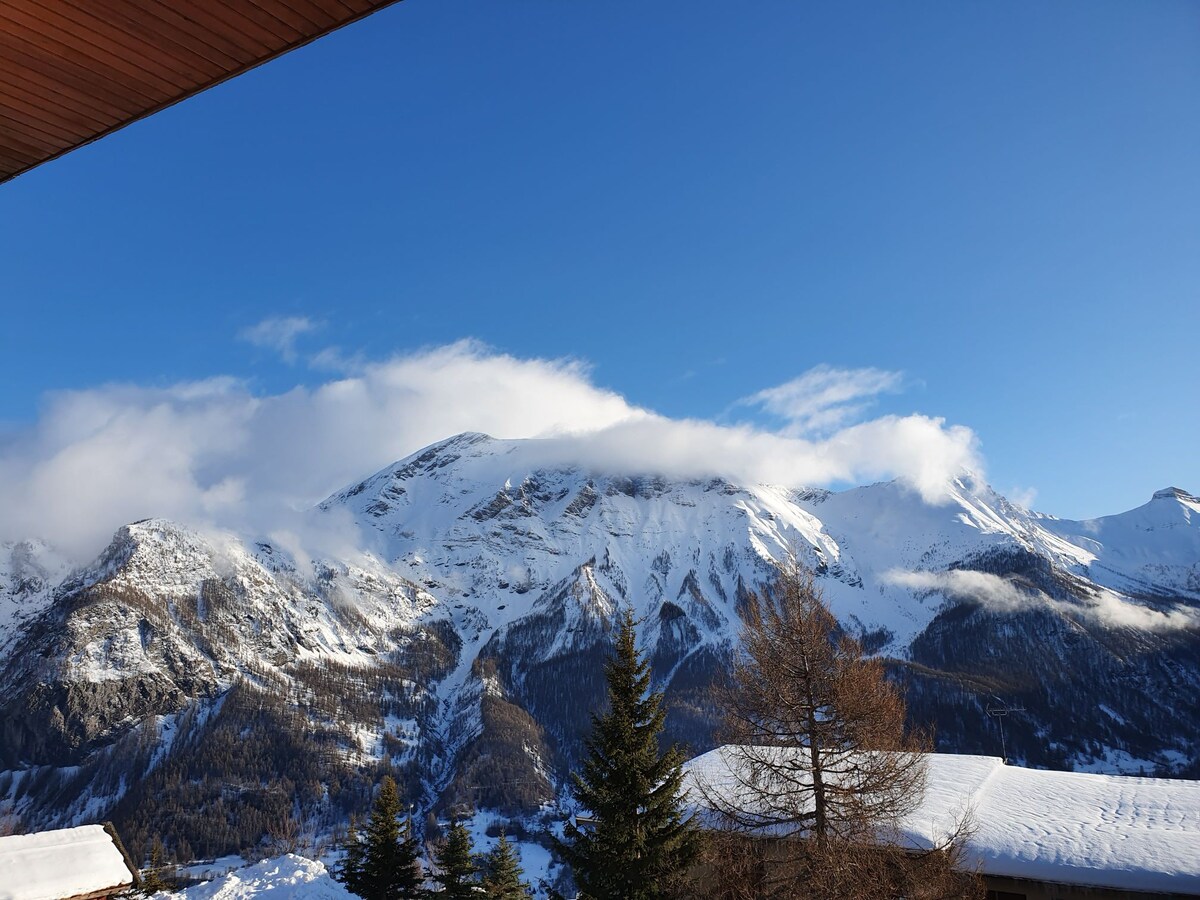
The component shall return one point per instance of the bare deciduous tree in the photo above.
(820, 767)
(798, 684)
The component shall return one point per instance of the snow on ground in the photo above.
(207, 871)
(537, 863)
(1117, 762)
(489, 525)
(293, 877)
(1137, 834)
(289, 877)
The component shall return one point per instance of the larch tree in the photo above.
(818, 752)
(806, 714)
(637, 843)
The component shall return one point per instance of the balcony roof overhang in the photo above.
(73, 71)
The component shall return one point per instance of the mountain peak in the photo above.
(1174, 493)
(463, 439)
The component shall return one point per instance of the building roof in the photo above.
(70, 862)
(1138, 834)
(74, 71)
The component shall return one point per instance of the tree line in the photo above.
(384, 861)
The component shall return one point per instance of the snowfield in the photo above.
(289, 877)
(294, 877)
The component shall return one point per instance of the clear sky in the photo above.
(992, 207)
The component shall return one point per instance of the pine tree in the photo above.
(639, 842)
(157, 874)
(502, 880)
(351, 870)
(409, 878)
(385, 864)
(458, 870)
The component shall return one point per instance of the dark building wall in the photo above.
(999, 888)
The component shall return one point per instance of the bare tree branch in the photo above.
(819, 767)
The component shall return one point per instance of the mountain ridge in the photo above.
(459, 644)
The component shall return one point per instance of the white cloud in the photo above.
(213, 452)
(1003, 595)
(921, 450)
(1115, 610)
(278, 333)
(824, 397)
(989, 590)
(1022, 496)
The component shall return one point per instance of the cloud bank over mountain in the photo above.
(1006, 596)
(217, 452)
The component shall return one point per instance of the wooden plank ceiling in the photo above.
(72, 71)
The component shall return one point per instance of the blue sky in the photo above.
(995, 205)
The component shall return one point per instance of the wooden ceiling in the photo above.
(72, 71)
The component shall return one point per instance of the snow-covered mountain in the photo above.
(1149, 550)
(208, 687)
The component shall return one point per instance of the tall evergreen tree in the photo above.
(409, 877)
(384, 865)
(157, 874)
(351, 870)
(638, 842)
(458, 875)
(502, 873)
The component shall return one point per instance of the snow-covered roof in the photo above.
(1139, 834)
(70, 862)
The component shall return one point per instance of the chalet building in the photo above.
(1034, 834)
(85, 863)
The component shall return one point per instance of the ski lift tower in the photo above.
(1000, 711)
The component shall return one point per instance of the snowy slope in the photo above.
(495, 525)
(29, 572)
(498, 529)
(133, 657)
(258, 586)
(1153, 549)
